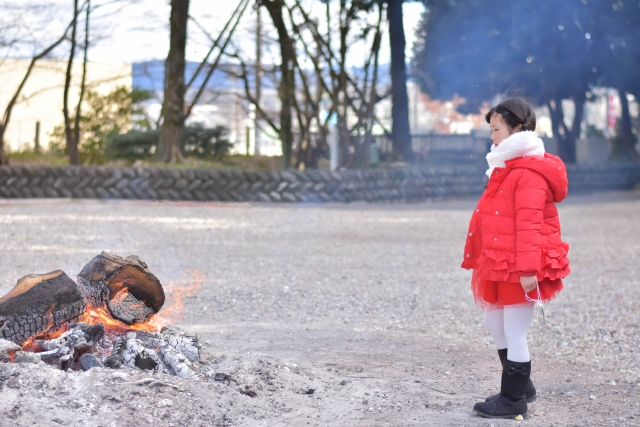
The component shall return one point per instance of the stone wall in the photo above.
(371, 185)
(589, 179)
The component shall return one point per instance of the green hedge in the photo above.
(197, 141)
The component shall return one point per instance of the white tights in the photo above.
(509, 326)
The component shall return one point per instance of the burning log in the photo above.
(38, 304)
(124, 285)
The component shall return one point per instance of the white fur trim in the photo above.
(519, 144)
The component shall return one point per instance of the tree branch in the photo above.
(216, 42)
(215, 64)
(7, 112)
(250, 97)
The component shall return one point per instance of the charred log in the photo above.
(131, 352)
(88, 361)
(116, 359)
(81, 336)
(124, 285)
(66, 350)
(173, 353)
(136, 355)
(38, 304)
(183, 342)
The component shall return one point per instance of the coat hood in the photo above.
(551, 168)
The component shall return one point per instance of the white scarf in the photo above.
(519, 144)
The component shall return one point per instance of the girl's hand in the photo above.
(528, 283)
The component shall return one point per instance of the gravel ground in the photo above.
(365, 305)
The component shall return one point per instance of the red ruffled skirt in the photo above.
(496, 283)
(497, 294)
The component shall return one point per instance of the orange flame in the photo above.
(175, 294)
(95, 315)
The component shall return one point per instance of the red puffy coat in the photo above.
(515, 229)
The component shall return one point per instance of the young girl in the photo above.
(514, 247)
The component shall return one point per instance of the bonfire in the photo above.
(109, 318)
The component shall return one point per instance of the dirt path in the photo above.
(364, 305)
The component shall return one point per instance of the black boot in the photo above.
(511, 402)
(530, 391)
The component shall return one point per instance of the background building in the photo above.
(42, 97)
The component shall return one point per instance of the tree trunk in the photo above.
(556, 118)
(319, 148)
(3, 159)
(578, 101)
(39, 304)
(624, 143)
(344, 136)
(72, 144)
(76, 124)
(286, 89)
(168, 149)
(572, 135)
(400, 133)
(373, 98)
(257, 132)
(565, 137)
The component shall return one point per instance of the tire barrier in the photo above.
(410, 184)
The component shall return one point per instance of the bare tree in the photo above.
(368, 106)
(7, 113)
(400, 133)
(311, 96)
(287, 81)
(221, 42)
(72, 142)
(568, 136)
(624, 143)
(173, 105)
(350, 95)
(83, 82)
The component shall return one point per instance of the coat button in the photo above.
(468, 255)
(501, 191)
(495, 239)
(496, 172)
(477, 210)
(470, 234)
(496, 212)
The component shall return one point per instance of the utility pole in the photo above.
(258, 67)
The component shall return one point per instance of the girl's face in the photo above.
(500, 130)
